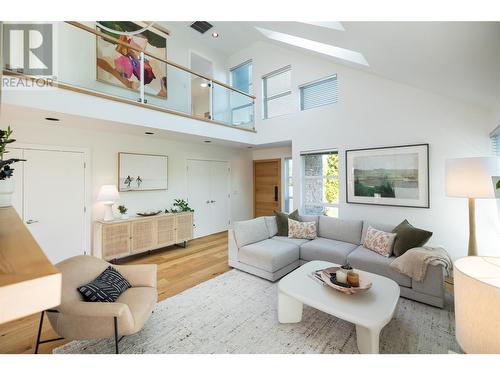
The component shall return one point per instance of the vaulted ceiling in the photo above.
(456, 59)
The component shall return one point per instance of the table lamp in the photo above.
(108, 194)
(471, 178)
(477, 303)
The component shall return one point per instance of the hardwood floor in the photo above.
(178, 269)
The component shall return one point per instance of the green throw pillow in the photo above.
(282, 221)
(409, 237)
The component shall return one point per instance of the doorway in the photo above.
(208, 194)
(266, 187)
(201, 101)
(50, 197)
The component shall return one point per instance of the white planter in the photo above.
(124, 216)
(6, 191)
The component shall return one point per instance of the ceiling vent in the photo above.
(201, 26)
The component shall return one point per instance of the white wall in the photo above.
(104, 147)
(373, 111)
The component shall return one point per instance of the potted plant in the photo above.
(6, 171)
(123, 211)
(181, 206)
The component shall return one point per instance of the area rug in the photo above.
(236, 313)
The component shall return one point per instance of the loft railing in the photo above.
(93, 62)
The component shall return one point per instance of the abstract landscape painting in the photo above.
(120, 66)
(396, 176)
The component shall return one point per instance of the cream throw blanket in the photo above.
(414, 262)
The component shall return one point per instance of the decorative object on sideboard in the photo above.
(108, 195)
(6, 171)
(472, 178)
(477, 302)
(149, 213)
(142, 172)
(389, 176)
(181, 206)
(123, 211)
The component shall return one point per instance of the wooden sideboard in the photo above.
(121, 238)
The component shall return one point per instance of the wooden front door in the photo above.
(266, 187)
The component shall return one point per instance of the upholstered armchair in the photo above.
(76, 319)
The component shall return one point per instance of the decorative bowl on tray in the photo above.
(328, 276)
(149, 213)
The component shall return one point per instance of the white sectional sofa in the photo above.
(255, 248)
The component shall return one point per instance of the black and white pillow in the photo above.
(107, 287)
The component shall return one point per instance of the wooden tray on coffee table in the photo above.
(363, 284)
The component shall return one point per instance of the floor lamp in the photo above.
(472, 178)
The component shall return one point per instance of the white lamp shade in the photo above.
(477, 303)
(471, 177)
(108, 193)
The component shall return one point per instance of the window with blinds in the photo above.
(495, 139)
(277, 92)
(319, 93)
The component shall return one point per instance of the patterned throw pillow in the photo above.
(302, 230)
(107, 287)
(379, 241)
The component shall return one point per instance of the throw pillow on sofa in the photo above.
(301, 230)
(282, 221)
(107, 287)
(379, 241)
(409, 237)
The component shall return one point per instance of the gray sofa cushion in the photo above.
(269, 255)
(382, 227)
(272, 225)
(340, 230)
(326, 250)
(295, 241)
(370, 261)
(250, 231)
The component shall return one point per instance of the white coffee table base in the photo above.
(290, 311)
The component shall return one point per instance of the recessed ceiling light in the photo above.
(203, 84)
(149, 133)
(323, 48)
(215, 34)
(52, 119)
(207, 141)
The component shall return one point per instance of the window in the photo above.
(288, 185)
(241, 105)
(495, 139)
(241, 77)
(276, 87)
(318, 93)
(320, 183)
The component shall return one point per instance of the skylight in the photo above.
(334, 25)
(323, 48)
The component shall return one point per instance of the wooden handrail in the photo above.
(166, 61)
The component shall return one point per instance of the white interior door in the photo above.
(54, 201)
(198, 177)
(219, 195)
(208, 195)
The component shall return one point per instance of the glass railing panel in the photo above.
(88, 61)
(232, 107)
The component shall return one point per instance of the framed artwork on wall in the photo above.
(142, 172)
(120, 66)
(388, 176)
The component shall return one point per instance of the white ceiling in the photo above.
(457, 59)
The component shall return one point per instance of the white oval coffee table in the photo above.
(370, 311)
